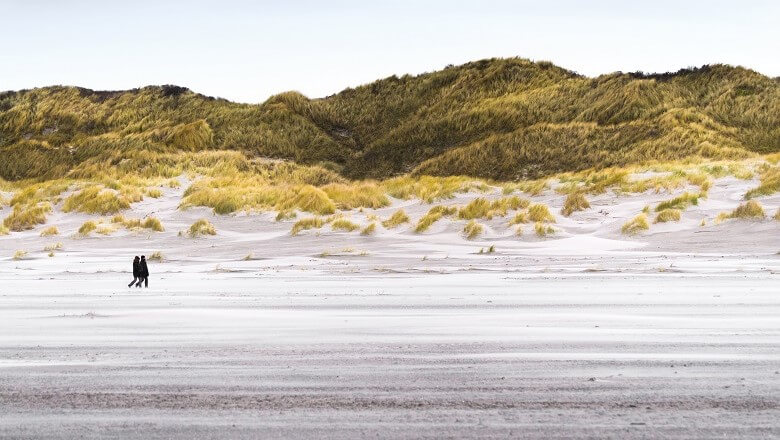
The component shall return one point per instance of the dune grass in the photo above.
(201, 227)
(472, 230)
(154, 193)
(152, 223)
(575, 201)
(539, 212)
(369, 229)
(433, 215)
(87, 227)
(751, 209)
(543, 230)
(26, 216)
(50, 231)
(668, 215)
(777, 215)
(680, 202)
(481, 208)
(520, 217)
(636, 225)
(398, 218)
(4, 230)
(342, 224)
(20, 254)
(770, 183)
(95, 199)
(156, 256)
(305, 224)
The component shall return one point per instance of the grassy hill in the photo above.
(501, 118)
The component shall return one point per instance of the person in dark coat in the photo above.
(136, 271)
(144, 273)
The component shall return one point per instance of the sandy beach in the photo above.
(254, 333)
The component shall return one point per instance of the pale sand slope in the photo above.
(672, 334)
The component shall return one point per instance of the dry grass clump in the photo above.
(635, 225)
(543, 230)
(748, 210)
(20, 254)
(4, 230)
(154, 193)
(305, 224)
(95, 199)
(431, 189)
(174, 183)
(155, 256)
(520, 217)
(399, 217)
(770, 183)
(351, 196)
(539, 212)
(152, 223)
(777, 215)
(201, 227)
(433, 215)
(87, 227)
(25, 216)
(680, 202)
(342, 224)
(575, 201)
(369, 229)
(533, 187)
(53, 247)
(51, 230)
(668, 215)
(482, 208)
(472, 230)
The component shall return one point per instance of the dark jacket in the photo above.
(136, 268)
(144, 269)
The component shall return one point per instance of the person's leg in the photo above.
(132, 282)
(140, 280)
(146, 281)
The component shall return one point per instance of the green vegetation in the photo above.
(399, 217)
(201, 227)
(668, 215)
(505, 119)
(472, 230)
(575, 201)
(636, 225)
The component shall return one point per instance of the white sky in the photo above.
(246, 51)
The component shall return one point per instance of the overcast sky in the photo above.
(248, 50)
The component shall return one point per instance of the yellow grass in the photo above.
(20, 254)
(51, 230)
(540, 213)
(153, 224)
(25, 216)
(53, 247)
(636, 225)
(680, 202)
(399, 217)
(87, 227)
(201, 227)
(472, 230)
(770, 183)
(543, 230)
(668, 215)
(95, 199)
(361, 195)
(155, 256)
(482, 208)
(575, 201)
(342, 224)
(306, 223)
(369, 229)
(4, 230)
(433, 215)
(520, 217)
(154, 193)
(748, 210)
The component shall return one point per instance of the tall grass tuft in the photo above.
(668, 215)
(575, 201)
(680, 202)
(96, 200)
(540, 213)
(369, 229)
(770, 183)
(399, 217)
(87, 227)
(305, 224)
(748, 210)
(433, 215)
(26, 216)
(472, 230)
(342, 224)
(201, 227)
(50, 231)
(636, 225)
(153, 223)
(543, 230)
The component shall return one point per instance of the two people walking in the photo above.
(140, 272)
